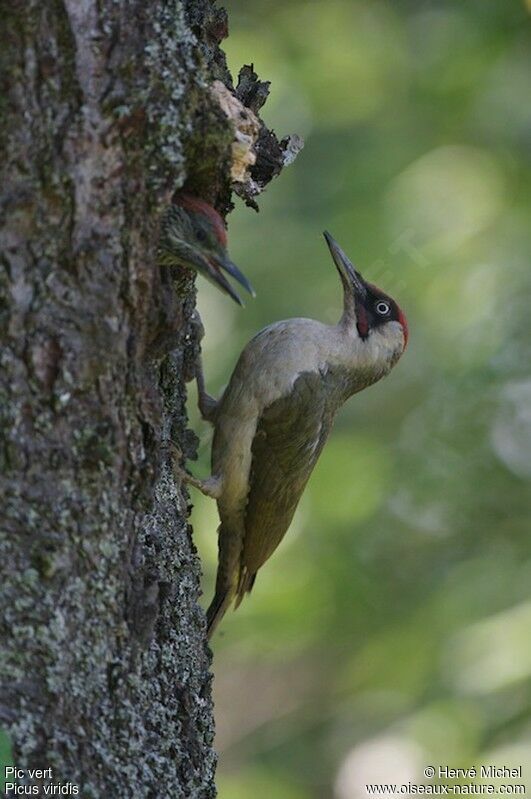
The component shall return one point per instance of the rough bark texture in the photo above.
(105, 111)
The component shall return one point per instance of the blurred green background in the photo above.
(392, 628)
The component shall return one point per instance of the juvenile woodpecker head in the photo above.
(193, 236)
(376, 317)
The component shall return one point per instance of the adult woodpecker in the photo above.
(275, 416)
(193, 236)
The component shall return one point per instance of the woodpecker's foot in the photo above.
(211, 487)
(207, 404)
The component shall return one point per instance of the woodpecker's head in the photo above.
(376, 317)
(193, 236)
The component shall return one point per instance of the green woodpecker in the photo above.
(276, 414)
(193, 236)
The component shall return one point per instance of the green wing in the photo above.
(289, 438)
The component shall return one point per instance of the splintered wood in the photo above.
(246, 130)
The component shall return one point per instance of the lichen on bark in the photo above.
(105, 112)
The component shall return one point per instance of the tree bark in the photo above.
(105, 110)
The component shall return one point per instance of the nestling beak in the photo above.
(213, 267)
(350, 277)
(224, 262)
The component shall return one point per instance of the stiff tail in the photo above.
(233, 580)
(229, 555)
(217, 609)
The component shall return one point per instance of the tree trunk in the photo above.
(105, 110)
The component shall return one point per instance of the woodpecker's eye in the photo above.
(382, 308)
(201, 236)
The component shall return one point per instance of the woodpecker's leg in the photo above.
(207, 404)
(211, 487)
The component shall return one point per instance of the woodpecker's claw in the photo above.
(211, 487)
(345, 267)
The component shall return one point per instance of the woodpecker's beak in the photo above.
(224, 262)
(350, 277)
(213, 266)
(217, 277)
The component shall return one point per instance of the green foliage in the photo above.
(394, 618)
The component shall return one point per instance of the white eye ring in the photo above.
(382, 308)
